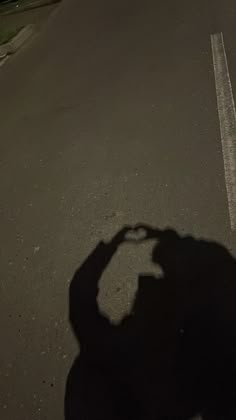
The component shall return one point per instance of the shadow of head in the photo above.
(175, 355)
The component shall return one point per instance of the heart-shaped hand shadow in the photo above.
(136, 235)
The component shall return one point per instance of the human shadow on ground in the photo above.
(175, 355)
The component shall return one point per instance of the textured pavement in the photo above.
(108, 117)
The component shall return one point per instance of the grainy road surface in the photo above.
(108, 117)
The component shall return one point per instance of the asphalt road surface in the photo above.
(108, 117)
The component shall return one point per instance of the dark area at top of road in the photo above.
(174, 356)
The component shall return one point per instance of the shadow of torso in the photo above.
(171, 357)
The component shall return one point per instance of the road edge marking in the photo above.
(227, 118)
(3, 60)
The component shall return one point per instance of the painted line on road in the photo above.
(3, 60)
(227, 118)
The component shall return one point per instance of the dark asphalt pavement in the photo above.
(108, 117)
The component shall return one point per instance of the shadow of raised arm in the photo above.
(84, 315)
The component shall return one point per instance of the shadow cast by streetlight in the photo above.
(175, 355)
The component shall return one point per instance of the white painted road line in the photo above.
(3, 60)
(227, 117)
